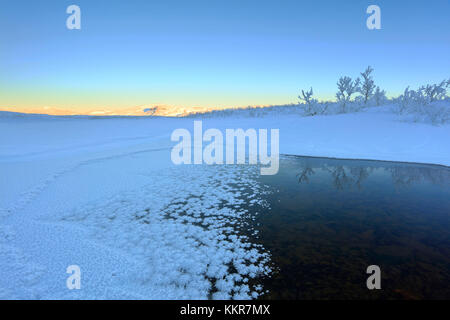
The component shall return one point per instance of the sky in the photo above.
(211, 54)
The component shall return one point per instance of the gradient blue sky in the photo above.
(212, 53)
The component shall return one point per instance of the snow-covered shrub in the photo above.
(404, 100)
(434, 92)
(251, 112)
(346, 88)
(429, 103)
(436, 113)
(423, 96)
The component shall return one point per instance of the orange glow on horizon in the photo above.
(161, 110)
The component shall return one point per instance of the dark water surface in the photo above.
(330, 219)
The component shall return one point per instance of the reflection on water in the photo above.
(330, 219)
(342, 177)
(355, 172)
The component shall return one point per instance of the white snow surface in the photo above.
(103, 194)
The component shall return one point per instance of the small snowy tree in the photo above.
(379, 96)
(367, 85)
(346, 88)
(309, 102)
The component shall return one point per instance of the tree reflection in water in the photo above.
(345, 177)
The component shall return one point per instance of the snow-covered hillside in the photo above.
(102, 193)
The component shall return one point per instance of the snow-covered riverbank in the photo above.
(102, 193)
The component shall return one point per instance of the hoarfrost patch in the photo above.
(184, 232)
(18, 264)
